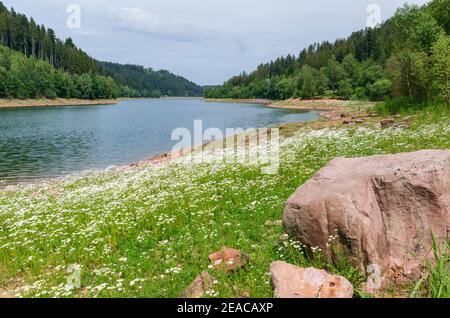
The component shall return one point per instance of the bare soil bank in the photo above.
(13, 103)
(302, 104)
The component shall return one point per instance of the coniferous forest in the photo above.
(35, 63)
(138, 81)
(376, 63)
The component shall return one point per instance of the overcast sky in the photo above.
(207, 41)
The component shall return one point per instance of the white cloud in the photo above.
(158, 25)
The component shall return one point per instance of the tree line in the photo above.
(408, 55)
(81, 75)
(26, 36)
(28, 77)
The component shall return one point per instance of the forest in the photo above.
(138, 81)
(35, 63)
(27, 77)
(373, 64)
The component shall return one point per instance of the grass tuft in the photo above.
(439, 279)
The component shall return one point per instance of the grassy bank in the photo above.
(13, 103)
(148, 231)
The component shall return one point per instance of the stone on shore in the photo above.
(199, 286)
(228, 259)
(383, 210)
(290, 281)
(387, 122)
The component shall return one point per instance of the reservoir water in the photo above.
(44, 142)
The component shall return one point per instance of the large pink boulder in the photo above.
(382, 210)
(290, 281)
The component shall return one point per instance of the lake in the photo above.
(45, 142)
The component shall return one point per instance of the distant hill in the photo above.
(24, 35)
(141, 81)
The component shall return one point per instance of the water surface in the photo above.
(43, 142)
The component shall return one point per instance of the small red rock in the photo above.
(228, 259)
(199, 286)
(387, 122)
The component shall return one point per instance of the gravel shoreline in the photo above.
(15, 103)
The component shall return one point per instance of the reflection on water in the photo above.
(42, 142)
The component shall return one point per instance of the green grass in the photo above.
(436, 282)
(439, 279)
(407, 107)
(148, 231)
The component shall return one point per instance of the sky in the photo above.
(206, 41)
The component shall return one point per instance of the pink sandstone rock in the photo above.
(228, 259)
(383, 209)
(199, 286)
(290, 281)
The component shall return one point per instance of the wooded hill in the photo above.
(140, 81)
(24, 35)
(36, 42)
(408, 55)
(29, 77)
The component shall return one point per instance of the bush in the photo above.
(379, 90)
(345, 89)
(394, 105)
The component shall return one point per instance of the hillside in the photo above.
(374, 63)
(28, 77)
(23, 35)
(140, 81)
(147, 231)
(33, 40)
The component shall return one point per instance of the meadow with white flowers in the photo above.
(147, 231)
